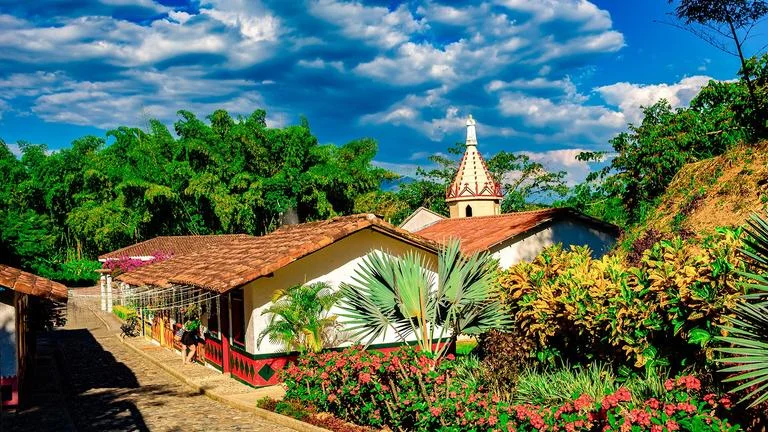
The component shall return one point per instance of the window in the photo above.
(238, 316)
(468, 211)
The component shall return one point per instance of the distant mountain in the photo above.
(394, 185)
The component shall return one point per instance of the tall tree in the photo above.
(718, 21)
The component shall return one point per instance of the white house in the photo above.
(237, 280)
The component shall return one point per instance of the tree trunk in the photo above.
(750, 85)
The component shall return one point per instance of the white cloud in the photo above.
(403, 169)
(375, 25)
(582, 12)
(541, 112)
(149, 4)
(631, 97)
(563, 160)
(14, 148)
(319, 63)
(143, 95)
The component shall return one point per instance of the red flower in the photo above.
(582, 402)
(364, 378)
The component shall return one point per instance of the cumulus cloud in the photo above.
(137, 97)
(563, 160)
(630, 98)
(375, 25)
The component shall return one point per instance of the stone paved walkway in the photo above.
(106, 386)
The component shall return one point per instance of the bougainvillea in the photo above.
(406, 390)
(126, 264)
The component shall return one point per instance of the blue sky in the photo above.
(546, 77)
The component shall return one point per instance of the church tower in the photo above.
(473, 191)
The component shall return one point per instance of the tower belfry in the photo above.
(473, 191)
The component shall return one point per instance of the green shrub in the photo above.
(464, 347)
(291, 409)
(123, 312)
(71, 272)
(266, 403)
(664, 312)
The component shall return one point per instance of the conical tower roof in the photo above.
(473, 181)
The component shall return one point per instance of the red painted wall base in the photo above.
(9, 391)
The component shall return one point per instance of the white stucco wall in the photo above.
(420, 219)
(7, 334)
(333, 264)
(569, 232)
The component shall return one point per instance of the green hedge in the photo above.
(123, 312)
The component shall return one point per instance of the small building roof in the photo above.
(28, 283)
(245, 259)
(481, 233)
(173, 245)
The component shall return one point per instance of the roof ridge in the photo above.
(550, 209)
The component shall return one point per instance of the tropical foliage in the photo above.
(300, 319)
(664, 312)
(408, 390)
(224, 175)
(747, 334)
(397, 294)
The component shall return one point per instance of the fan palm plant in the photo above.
(399, 294)
(300, 317)
(747, 333)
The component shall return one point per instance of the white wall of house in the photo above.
(567, 232)
(419, 219)
(333, 264)
(7, 334)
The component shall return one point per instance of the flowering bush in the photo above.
(126, 264)
(407, 390)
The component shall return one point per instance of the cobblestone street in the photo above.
(105, 386)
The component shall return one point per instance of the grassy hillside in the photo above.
(717, 192)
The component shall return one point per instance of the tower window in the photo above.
(468, 211)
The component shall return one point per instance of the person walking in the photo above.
(190, 339)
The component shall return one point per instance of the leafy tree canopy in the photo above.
(223, 175)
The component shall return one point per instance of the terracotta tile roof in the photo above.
(227, 266)
(480, 233)
(28, 283)
(174, 245)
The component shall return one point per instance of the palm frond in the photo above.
(747, 333)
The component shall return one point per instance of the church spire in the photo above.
(473, 191)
